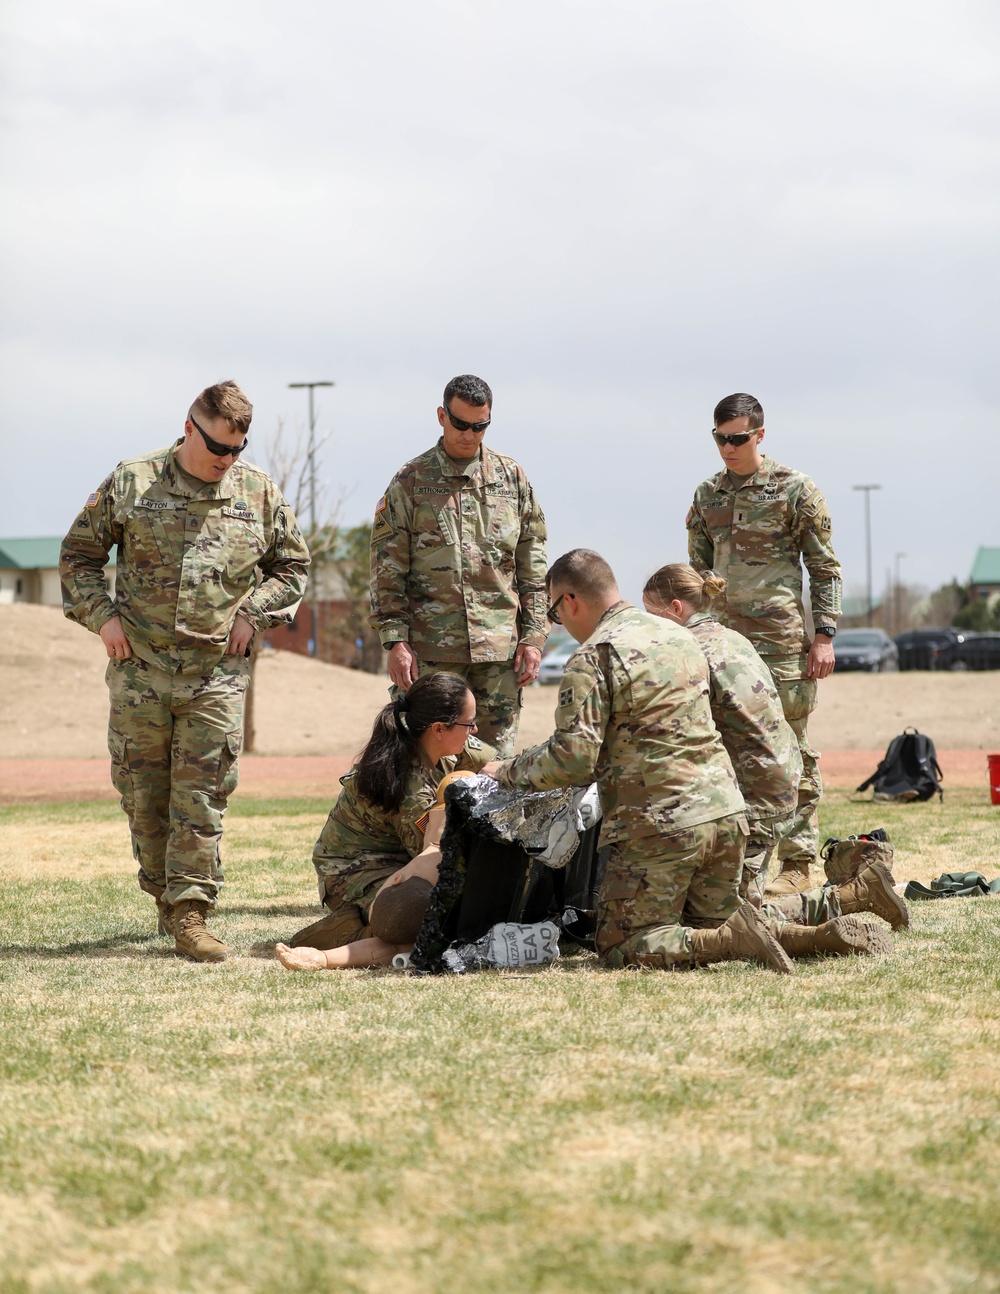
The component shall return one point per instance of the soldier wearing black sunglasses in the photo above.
(209, 554)
(458, 566)
(755, 523)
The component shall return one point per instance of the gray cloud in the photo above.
(615, 213)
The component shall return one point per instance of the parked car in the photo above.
(870, 649)
(554, 662)
(922, 648)
(975, 651)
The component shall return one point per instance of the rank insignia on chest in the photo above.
(565, 696)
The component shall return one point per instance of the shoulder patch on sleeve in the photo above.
(421, 822)
(473, 743)
(566, 696)
(381, 526)
(93, 499)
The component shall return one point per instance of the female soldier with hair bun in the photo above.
(377, 824)
(746, 709)
(765, 755)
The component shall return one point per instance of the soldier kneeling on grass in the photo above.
(634, 716)
(747, 711)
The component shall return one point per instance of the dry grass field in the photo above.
(172, 1127)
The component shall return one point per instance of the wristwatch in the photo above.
(829, 630)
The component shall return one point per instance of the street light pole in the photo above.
(868, 542)
(310, 387)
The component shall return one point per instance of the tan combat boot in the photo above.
(191, 935)
(164, 912)
(792, 879)
(744, 937)
(841, 936)
(872, 891)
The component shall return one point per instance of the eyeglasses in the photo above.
(216, 447)
(461, 425)
(552, 615)
(740, 438)
(460, 723)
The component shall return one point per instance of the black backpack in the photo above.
(909, 771)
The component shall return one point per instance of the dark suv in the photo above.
(922, 648)
(870, 649)
(975, 651)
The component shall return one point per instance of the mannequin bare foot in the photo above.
(301, 959)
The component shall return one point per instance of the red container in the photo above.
(994, 765)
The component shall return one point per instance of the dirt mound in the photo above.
(55, 702)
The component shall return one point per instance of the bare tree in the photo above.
(289, 467)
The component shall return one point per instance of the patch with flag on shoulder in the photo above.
(381, 526)
(422, 821)
(93, 499)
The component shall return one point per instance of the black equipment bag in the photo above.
(484, 879)
(909, 771)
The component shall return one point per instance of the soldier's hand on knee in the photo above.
(113, 637)
(402, 665)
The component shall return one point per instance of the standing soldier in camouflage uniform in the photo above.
(754, 523)
(458, 566)
(193, 525)
(766, 760)
(634, 715)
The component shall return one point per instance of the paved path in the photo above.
(315, 776)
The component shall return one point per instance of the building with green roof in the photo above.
(29, 570)
(985, 578)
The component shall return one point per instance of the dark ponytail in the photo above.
(394, 746)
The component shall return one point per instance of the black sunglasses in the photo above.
(740, 438)
(461, 425)
(216, 447)
(552, 615)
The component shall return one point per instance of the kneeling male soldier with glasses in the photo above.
(458, 566)
(634, 716)
(754, 524)
(192, 525)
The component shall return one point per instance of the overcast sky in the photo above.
(616, 213)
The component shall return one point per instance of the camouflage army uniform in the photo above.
(361, 845)
(756, 537)
(458, 572)
(634, 716)
(762, 746)
(187, 556)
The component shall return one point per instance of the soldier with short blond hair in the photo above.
(458, 566)
(209, 555)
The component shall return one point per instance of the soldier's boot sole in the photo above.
(192, 938)
(792, 879)
(744, 937)
(840, 937)
(872, 890)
